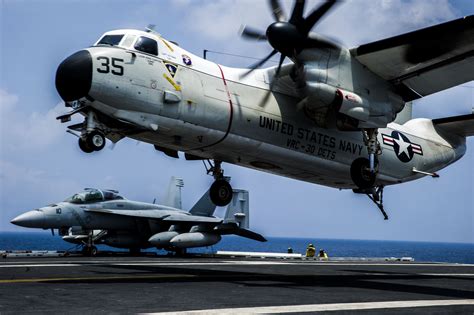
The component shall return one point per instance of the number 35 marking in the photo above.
(117, 68)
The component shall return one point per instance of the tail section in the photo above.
(459, 125)
(236, 220)
(173, 198)
(405, 114)
(238, 210)
(204, 207)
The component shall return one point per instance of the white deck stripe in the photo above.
(328, 307)
(224, 263)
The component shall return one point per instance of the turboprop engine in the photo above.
(352, 111)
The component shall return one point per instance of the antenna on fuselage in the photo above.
(151, 29)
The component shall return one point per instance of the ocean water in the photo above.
(421, 251)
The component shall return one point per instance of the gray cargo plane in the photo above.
(335, 116)
(96, 216)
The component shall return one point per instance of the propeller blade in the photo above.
(277, 11)
(282, 58)
(316, 15)
(253, 34)
(272, 84)
(259, 64)
(297, 14)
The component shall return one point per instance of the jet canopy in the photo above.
(91, 195)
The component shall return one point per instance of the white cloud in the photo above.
(353, 22)
(27, 131)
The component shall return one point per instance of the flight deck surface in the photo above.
(119, 284)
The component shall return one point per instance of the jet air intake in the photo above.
(74, 76)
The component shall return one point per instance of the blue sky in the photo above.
(40, 163)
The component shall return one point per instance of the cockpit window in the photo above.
(129, 39)
(111, 40)
(147, 45)
(88, 196)
(93, 195)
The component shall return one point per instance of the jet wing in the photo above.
(459, 125)
(425, 61)
(165, 215)
(146, 214)
(191, 219)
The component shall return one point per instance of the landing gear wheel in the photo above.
(221, 193)
(95, 140)
(84, 146)
(89, 251)
(361, 174)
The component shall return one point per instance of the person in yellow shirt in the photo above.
(310, 250)
(323, 255)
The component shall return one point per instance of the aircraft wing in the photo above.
(168, 216)
(425, 61)
(459, 125)
(191, 219)
(146, 214)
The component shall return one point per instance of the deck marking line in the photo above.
(97, 278)
(328, 307)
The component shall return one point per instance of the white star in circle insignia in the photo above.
(403, 146)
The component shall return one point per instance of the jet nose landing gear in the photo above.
(220, 191)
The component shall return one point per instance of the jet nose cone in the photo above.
(32, 219)
(74, 76)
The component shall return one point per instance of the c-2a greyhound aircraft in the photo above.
(334, 116)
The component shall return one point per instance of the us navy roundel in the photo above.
(403, 147)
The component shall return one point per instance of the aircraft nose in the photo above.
(74, 76)
(32, 219)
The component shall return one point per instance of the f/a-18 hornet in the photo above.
(334, 116)
(96, 216)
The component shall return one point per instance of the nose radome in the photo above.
(32, 219)
(74, 76)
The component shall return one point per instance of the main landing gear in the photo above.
(88, 248)
(220, 191)
(364, 171)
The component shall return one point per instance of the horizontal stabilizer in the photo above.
(234, 229)
(459, 125)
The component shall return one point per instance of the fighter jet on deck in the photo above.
(96, 216)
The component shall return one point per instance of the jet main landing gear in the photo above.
(220, 191)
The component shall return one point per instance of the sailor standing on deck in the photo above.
(310, 250)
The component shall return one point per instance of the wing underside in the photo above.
(459, 125)
(425, 61)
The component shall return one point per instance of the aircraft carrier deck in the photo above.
(150, 284)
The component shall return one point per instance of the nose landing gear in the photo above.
(92, 141)
(220, 191)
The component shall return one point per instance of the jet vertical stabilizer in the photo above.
(238, 210)
(204, 206)
(173, 198)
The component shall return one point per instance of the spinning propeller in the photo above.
(290, 37)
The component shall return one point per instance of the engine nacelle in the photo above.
(162, 239)
(196, 239)
(329, 106)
